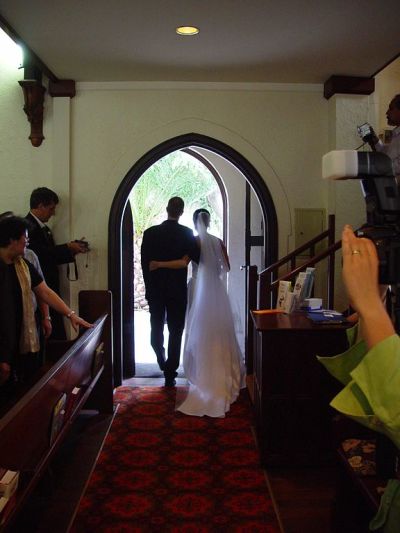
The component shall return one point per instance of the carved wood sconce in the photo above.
(34, 99)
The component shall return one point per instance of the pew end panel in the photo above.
(91, 305)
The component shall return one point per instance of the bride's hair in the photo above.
(205, 217)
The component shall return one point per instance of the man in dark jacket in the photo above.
(43, 203)
(166, 289)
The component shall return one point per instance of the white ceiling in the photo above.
(288, 41)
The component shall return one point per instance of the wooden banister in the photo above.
(271, 288)
(269, 278)
(262, 288)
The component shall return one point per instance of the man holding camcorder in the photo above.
(43, 203)
(393, 148)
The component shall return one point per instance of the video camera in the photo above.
(382, 198)
(366, 132)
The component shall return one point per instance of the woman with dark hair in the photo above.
(44, 315)
(19, 341)
(212, 358)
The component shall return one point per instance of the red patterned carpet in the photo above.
(163, 471)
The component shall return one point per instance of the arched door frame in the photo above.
(115, 271)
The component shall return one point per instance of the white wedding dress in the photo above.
(212, 359)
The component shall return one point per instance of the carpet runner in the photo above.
(163, 471)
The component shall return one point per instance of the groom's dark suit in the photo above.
(166, 288)
(50, 256)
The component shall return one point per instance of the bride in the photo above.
(212, 359)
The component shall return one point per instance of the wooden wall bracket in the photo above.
(62, 88)
(348, 85)
(34, 99)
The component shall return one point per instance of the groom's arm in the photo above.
(174, 264)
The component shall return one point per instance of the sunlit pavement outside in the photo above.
(143, 351)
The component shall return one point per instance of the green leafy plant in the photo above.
(176, 174)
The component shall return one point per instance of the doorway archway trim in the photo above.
(115, 270)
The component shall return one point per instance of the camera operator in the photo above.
(43, 203)
(393, 148)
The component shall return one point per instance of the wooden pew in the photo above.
(28, 435)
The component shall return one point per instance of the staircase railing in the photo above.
(264, 296)
(269, 278)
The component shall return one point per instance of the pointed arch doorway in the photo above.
(120, 242)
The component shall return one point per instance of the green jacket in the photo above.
(371, 396)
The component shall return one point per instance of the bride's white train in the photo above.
(212, 359)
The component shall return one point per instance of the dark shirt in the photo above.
(11, 309)
(50, 254)
(165, 242)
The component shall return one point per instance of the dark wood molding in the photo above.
(34, 99)
(348, 85)
(34, 69)
(62, 88)
(28, 52)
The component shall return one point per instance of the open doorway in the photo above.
(243, 178)
(184, 173)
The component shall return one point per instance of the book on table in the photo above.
(8, 492)
(326, 316)
(8, 482)
(6, 506)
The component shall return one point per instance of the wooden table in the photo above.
(292, 390)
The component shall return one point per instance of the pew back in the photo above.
(25, 430)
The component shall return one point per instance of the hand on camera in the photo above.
(360, 270)
(79, 246)
(367, 134)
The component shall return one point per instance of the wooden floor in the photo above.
(304, 498)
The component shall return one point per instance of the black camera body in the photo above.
(365, 131)
(387, 242)
(85, 244)
(382, 198)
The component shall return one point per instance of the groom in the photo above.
(166, 288)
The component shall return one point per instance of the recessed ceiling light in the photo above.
(187, 30)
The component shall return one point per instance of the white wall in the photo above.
(22, 166)
(95, 138)
(283, 133)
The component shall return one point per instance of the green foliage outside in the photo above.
(176, 174)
